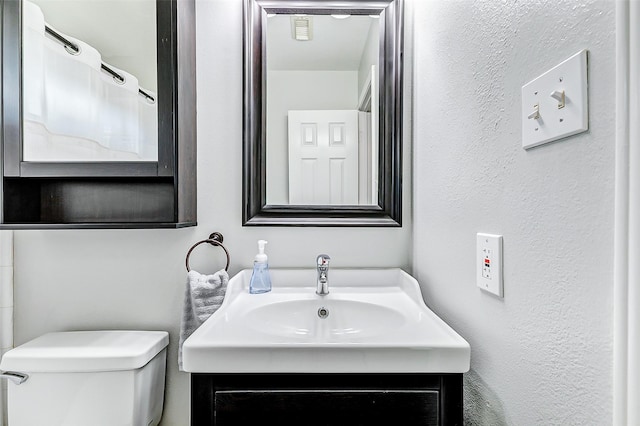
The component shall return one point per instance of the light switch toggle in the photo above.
(558, 96)
(535, 114)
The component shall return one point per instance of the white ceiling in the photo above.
(337, 44)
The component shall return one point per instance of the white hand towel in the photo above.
(203, 296)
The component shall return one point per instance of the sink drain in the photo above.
(323, 312)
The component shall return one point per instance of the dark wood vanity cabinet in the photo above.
(326, 399)
(132, 194)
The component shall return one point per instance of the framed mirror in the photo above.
(89, 88)
(90, 81)
(322, 119)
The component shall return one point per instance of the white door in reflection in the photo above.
(323, 157)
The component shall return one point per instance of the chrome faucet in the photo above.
(322, 263)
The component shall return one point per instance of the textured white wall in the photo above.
(134, 279)
(543, 355)
(6, 310)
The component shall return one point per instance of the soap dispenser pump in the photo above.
(260, 279)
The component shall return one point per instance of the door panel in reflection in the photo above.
(323, 157)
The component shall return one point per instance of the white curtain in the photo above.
(74, 110)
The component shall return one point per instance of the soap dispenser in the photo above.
(260, 280)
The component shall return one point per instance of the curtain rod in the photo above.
(74, 49)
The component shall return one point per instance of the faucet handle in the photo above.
(323, 260)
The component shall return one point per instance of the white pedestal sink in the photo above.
(375, 322)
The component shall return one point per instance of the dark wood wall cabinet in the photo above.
(152, 194)
(326, 399)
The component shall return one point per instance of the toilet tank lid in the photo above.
(86, 351)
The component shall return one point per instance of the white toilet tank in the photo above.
(88, 378)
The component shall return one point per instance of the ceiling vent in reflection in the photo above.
(302, 28)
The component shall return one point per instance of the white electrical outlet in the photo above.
(489, 263)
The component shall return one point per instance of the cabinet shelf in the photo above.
(118, 225)
(93, 169)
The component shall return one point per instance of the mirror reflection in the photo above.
(322, 109)
(90, 80)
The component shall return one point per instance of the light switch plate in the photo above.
(489, 263)
(544, 119)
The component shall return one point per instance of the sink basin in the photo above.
(343, 319)
(372, 321)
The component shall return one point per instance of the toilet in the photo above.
(81, 378)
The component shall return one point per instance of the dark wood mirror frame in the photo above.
(388, 212)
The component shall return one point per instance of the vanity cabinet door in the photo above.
(327, 407)
(326, 399)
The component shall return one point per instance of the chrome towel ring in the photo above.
(214, 239)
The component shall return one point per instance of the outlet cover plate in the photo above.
(489, 263)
